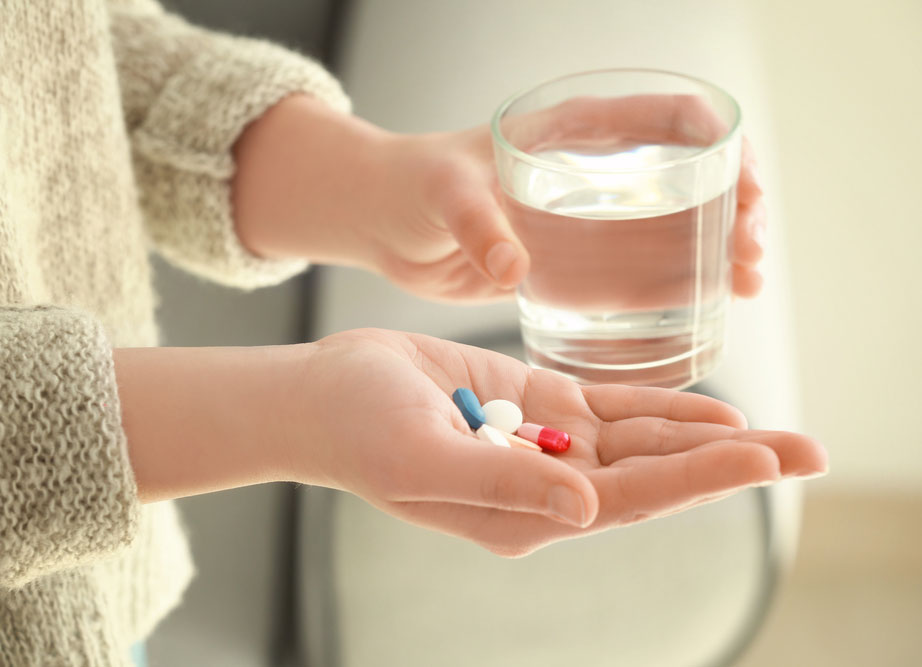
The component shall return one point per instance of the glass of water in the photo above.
(621, 184)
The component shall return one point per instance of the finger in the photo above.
(468, 471)
(482, 231)
(591, 122)
(656, 436)
(475, 296)
(799, 454)
(625, 498)
(747, 282)
(461, 283)
(611, 402)
(749, 234)
(748, 189)
(648, 436)
(646, 487)
(474, 288)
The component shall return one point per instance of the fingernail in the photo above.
(500, 257)
(565, 504)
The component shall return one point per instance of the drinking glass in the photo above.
(621, 184)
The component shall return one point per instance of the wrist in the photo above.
(294, 190)
(199, 420)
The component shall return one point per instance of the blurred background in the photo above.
(829, 573)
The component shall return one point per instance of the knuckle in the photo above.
(499, 490)
(443, 176)
(663, 437)
(607, 441)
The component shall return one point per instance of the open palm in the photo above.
(636, 453)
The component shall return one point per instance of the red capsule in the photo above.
(547, 438)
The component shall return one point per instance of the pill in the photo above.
(467, 403)
(547, 438)
(522, 443)
(504, 415)
(492, 435)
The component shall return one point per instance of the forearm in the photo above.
(200, 420)
(303, 177)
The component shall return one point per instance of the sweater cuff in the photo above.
(67, 490)
(184, 157)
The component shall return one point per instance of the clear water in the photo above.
(630, 276)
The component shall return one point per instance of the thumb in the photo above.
(482, 231)
(465, 470)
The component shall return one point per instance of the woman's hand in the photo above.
(747, 245)
(424, 210)
(370, 412)
(373, 415)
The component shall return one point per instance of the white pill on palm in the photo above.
(503, 415)
(492, 435)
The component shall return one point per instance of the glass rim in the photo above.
(518, 153)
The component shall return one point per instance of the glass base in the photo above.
(672, 362)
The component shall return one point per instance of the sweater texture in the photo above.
(117, 121)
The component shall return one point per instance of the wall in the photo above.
(843, 88)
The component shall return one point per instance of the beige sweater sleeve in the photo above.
(67, 490)
(187, 95)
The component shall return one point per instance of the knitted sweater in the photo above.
(116, 127)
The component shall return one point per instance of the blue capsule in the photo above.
(467, 403)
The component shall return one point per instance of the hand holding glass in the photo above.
(621, 184)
